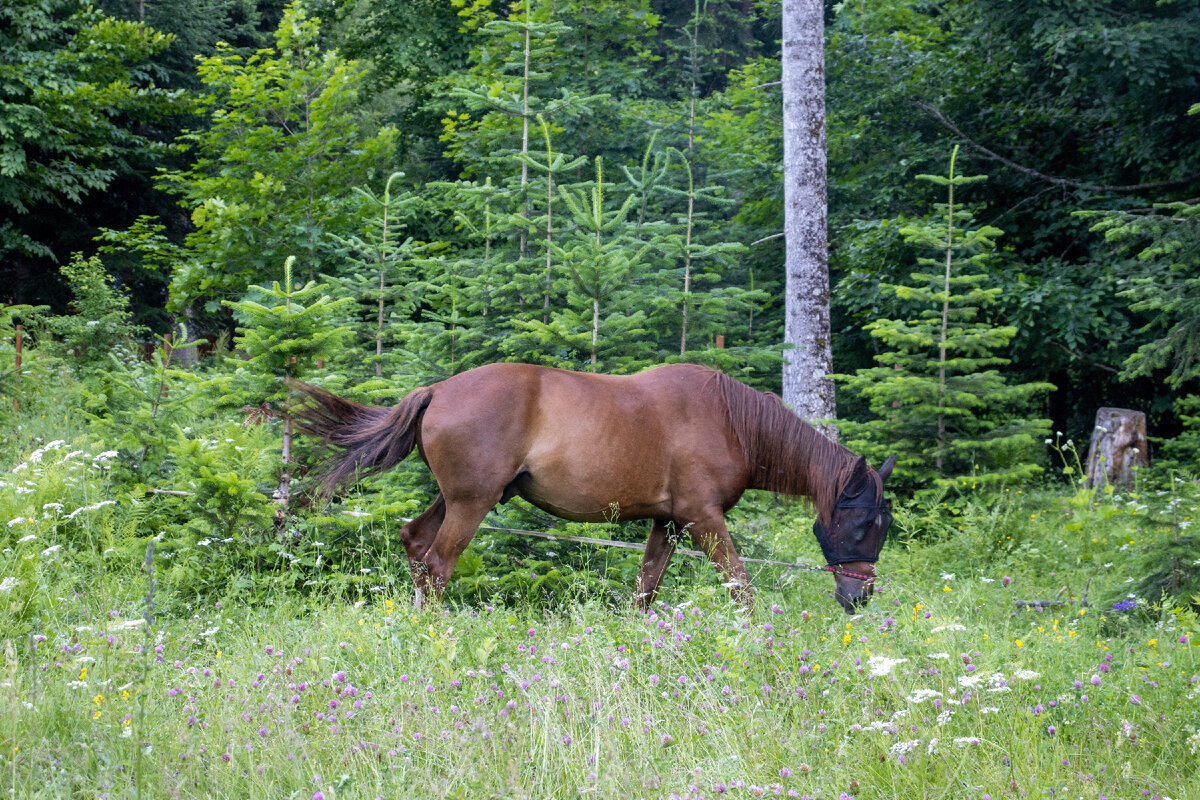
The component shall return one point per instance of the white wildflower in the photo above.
(127, 625)
(92, 507)
(944, 717)
(964, 741)
(938, 656)
(921, 695)
(953, 626)
(36, 455)
(1026, 674)
(968, 681)
(947, 576)
(7, 585)
(932, 747)
(16, 521)
(882, 665)
(29, 537)
(900, 748)
(52, 549)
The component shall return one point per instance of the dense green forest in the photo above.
(597, 185)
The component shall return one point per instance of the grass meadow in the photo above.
(113, 686)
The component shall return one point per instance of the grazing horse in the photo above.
(678, 445)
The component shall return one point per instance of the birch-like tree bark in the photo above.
(806, 325)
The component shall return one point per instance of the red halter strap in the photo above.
(837, 570)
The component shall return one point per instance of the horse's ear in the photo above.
(859, 480)
(886, 470)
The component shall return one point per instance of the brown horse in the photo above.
(677, 445)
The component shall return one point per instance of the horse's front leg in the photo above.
(711, 535)
(659, 549)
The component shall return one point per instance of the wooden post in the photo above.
(1118, 447)
(720, 341)
(168, 348)
(17, 372)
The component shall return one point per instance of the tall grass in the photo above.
(118, 684)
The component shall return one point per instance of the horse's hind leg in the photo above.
(659, 549)
(417, 536)
(712, 536)
(461, 521)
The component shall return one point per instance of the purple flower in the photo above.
(1005, 581)
(1135, 699)
(1095, 680)
(785, 773)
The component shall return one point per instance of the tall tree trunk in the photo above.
(525, 139)
(806, 327)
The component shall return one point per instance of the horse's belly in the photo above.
(589, 498)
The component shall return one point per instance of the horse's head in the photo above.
(857, 528)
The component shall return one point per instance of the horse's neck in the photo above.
(800, 461)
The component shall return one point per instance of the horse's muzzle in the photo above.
(851, 592)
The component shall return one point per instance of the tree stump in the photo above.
(1118, 447)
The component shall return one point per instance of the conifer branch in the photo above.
(938, 115)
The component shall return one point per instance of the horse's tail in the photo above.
(370, 438)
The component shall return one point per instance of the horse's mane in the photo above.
(786, 455)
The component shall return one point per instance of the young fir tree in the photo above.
(461, 292)
(603, 264)
(381, 285)
(285, 331)
(937, 398)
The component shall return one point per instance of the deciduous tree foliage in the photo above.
(274, 173)
(75, 88)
